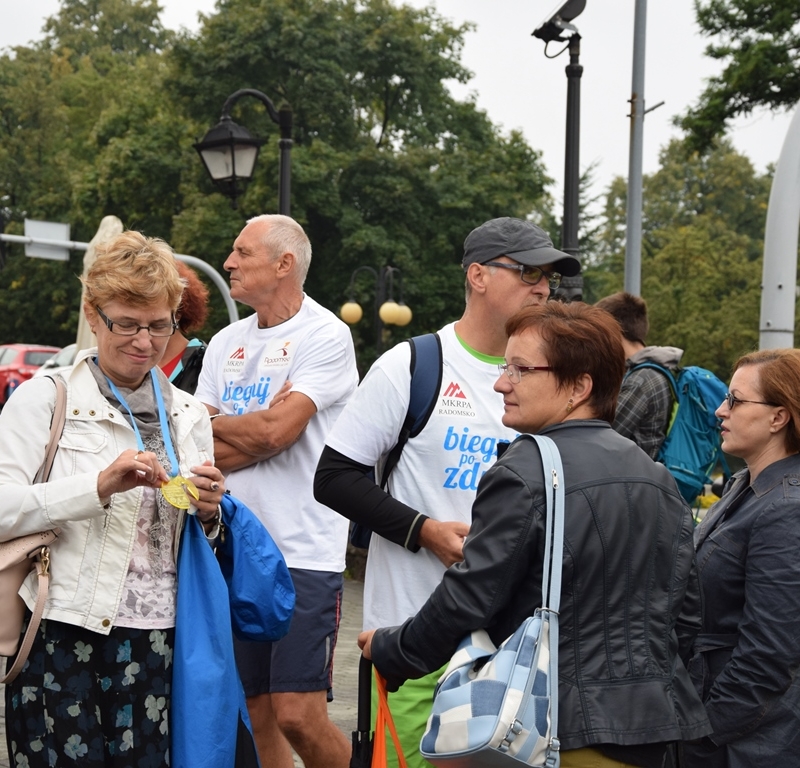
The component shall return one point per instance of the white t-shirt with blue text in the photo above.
(244, 367)
(438, 471)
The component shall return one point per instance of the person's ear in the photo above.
(582, 389)
(477, 275)
(779, 419)
(285, 264)
(92, 318)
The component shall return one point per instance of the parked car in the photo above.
(59, 362)
(18, 362)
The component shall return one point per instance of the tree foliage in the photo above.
(387, 167)
(759, 43)
(702, 240)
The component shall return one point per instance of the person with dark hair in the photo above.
(746, 659)
(645, 399)
(630, 598)
(183, 358)
(421, 517)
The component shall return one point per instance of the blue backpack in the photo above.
(693, 446)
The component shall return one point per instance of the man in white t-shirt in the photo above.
(274, 384)
(419, 525)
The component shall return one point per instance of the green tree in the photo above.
(702, 292)
(604, 264)
(758, 41)
(105, 30)
(388, 168)
(85, 130)
(702, 240)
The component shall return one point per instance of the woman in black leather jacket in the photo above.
(630, 599)
(746, 659)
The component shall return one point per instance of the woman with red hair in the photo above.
(183, 357)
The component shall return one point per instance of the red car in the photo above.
(18, 363)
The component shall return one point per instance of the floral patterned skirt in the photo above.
(92, 700)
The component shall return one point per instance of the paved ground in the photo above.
(345, 671)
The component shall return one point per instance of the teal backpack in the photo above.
(693, 446)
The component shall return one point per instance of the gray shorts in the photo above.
(303, 660)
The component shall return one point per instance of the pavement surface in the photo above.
(342, 709)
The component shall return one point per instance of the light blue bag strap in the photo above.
(551, 572)
(554, 529)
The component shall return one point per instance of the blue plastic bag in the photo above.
(260, 587)
(208, 702)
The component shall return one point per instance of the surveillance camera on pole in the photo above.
(558, 22)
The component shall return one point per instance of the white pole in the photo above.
(779, 291)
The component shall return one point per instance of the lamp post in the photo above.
(555, 28)
(229, 151)
(387, 312)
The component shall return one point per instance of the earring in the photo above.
(569, 406)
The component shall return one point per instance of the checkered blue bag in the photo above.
(498, 707)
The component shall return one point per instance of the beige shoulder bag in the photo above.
(25, 553)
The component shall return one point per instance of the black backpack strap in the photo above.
(426, 382)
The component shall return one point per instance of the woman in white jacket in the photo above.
(135, 454)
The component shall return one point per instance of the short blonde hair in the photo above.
(135, 270)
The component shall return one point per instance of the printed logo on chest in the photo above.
(279, 356)
(454, 402)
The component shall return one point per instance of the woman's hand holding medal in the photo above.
(210, 485)
(129, 469)
(133, 468)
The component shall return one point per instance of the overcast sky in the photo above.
(520, 88)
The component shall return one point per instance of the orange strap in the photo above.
(384, 720)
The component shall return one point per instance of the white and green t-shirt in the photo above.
(438, 471)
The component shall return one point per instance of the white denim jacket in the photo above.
(89, 560)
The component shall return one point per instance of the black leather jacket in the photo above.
(747, 658)
(630, 598)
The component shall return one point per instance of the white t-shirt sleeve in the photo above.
(324, 368)
(370, 423)
(207, 391)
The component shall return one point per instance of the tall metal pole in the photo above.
(572, 287)
(633, 234)
(569, 232)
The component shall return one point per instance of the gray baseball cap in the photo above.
(523, 241)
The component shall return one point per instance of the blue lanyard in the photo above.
(162, 417)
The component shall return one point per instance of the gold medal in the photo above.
(178, 490)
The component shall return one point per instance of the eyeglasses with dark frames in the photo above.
(732, 400)
(129, 328)
(514, 371)
(528, 274)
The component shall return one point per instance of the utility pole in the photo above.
(633, 233)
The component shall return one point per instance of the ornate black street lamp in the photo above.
(558, 27)
(229, 151)
(387, 311)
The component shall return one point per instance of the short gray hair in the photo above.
(285, 235)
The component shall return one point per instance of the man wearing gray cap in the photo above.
(420, 522)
